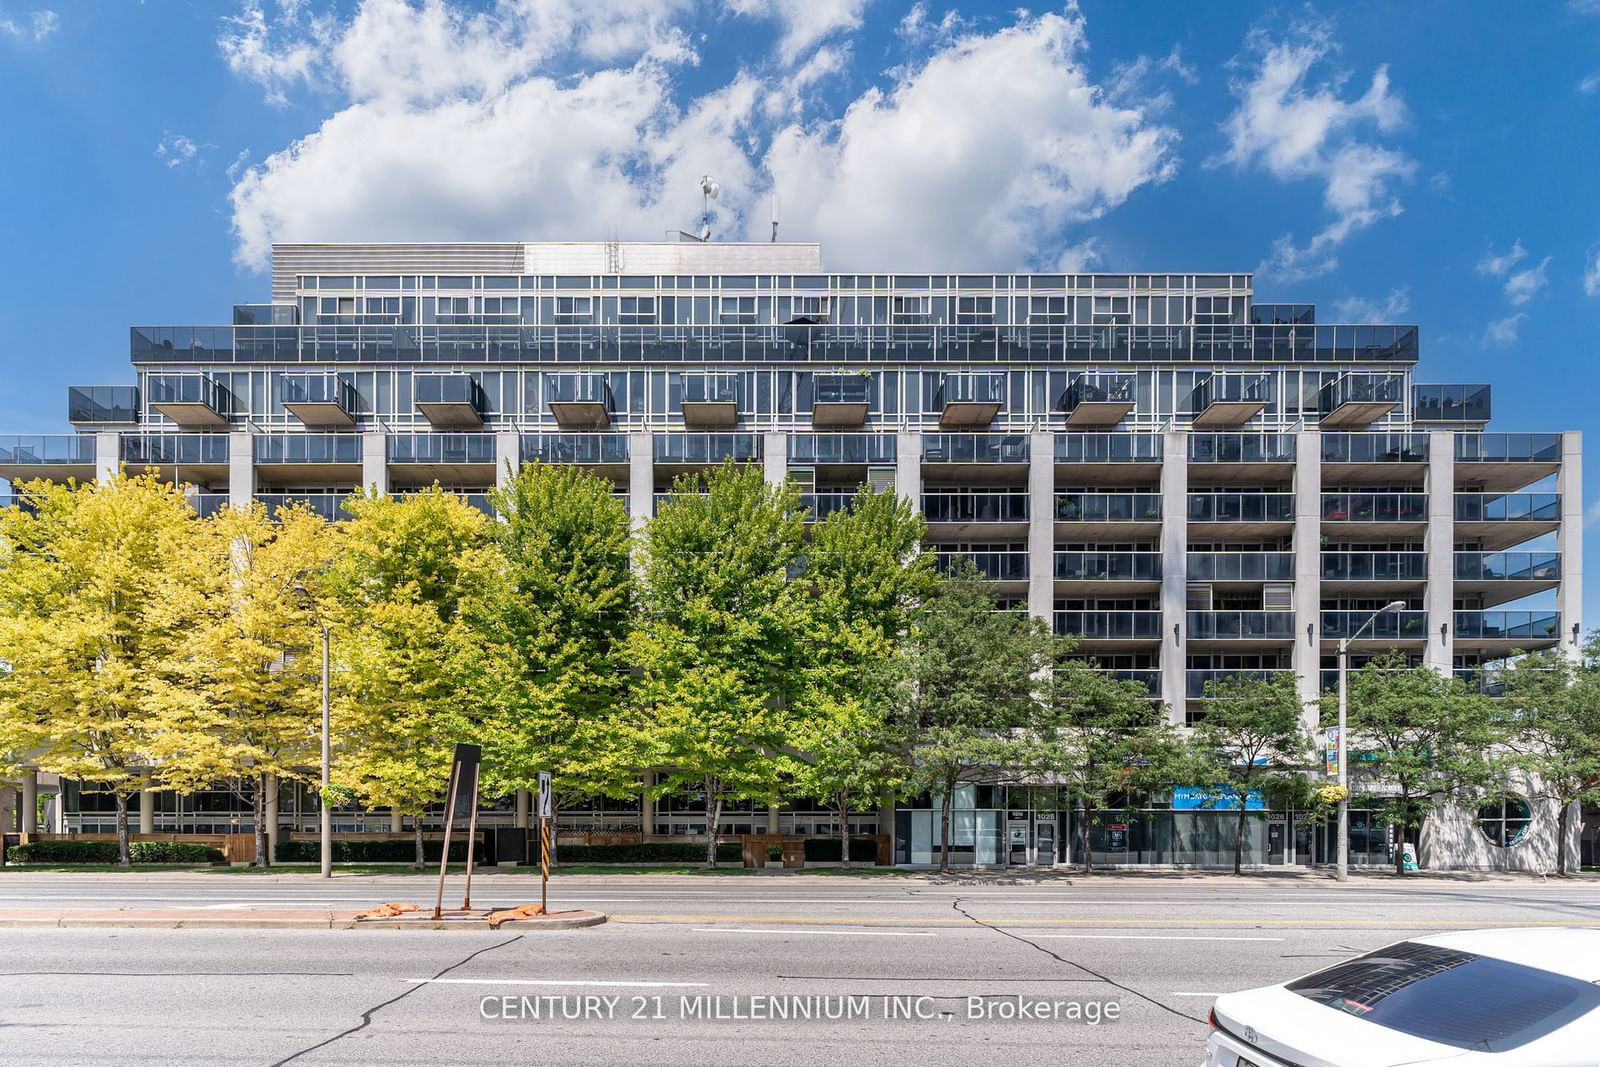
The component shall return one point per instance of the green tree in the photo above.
(962, 690)
(1552, 714)
(1423, 735)
(81, 572)
(1251, 736)
(403, 698)
(551, 622)
(718, 639)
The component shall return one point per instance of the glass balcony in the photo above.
(193, 401)
(103, 404)
(1508, 566)
(1194, 680)
(579, 400)
(449, 401)
(1489, 682)
(840, 399)
(1508, 448)
(1099, 399)
(1360, 399)
(1229, 399)
(1375, 507)
(1108, 448)
(29, 450)
(975, 507)
(994, 566)
(441, 448)
(706, 448)
(969, 399)
(1108, 566)
(294, 448)
(328, 505)
(173, 449)
(709, 401)
(1508, 507)
(319, 400)
(1241, 507)
(863, 449)
(1450, 403)
(1241, 448)
(1241, 625)
(574, 448)
(1241, 566)
(1374, 566)
(974, 448)
(1148, 677)
(206, 505)
(1110, 626)
(819, 505)
(1507, 625)
(1374, 448)
(1385, 626)
(1108, 507)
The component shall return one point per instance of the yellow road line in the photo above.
(1098, 921)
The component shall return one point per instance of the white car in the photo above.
(1512, 998)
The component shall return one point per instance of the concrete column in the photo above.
(1174, 569)
(107, 455)
(1569, 541)
(647, 806)
(147, 811)
(507, 457)
(374, 462)
(1307, 657)
(524, 805)
(641, 479)
(1440, 544)
(10, 802)
(271, 815)
(908, 468)
(775, 457)
(1041, 525)
(29, 822)
(241, 469)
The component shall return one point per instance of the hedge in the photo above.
(70, 852)
(648, 852)
(372, 852)
(828, 850)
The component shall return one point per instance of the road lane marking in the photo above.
(553, 981)
(836, 933)
(1209, 996)
(1149, 937)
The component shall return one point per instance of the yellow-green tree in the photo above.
(402, 700)
(240, 687)
(83, 630)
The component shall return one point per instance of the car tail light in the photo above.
(1211, 1018)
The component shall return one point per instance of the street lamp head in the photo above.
(1395, 605)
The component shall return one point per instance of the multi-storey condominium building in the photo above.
(1194, 482)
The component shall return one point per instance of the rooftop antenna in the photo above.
(774, 238)
(709, 189)
(613, 248)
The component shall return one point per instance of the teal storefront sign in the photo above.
(1198, 798)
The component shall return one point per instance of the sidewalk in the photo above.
(266, 919)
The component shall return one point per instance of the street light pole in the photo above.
(325, 822)
(1342, 871)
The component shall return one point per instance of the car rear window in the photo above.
(1452, 997)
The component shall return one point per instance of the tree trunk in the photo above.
(713, 822)
(944, 833)
(844, 827)
(1238, 833)
(421, 862)
(1400, 835)
(1083, 838)
(122, 828)
(1561, 839)
(259, 808)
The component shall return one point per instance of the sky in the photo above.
(1436, 162)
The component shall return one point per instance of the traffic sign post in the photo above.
(545, 807)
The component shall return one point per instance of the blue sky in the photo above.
(1432, 162)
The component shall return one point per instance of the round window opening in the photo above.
(1505, 821)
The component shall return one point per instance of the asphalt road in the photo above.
(679, 952)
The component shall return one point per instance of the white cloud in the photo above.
(1357, 309)
(1127, 83)
(1496, 265)
(1503, 332)
(177, 150)
(1590, 83)
(1299, 129)
(918, 31)
(1079, 257)
(804, 22)
(1522, 285)
(1591, 514)
(35, 26)
(1591, 272)
(987, 153)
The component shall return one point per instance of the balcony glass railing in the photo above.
(1194, 680)
(441, 448)
(1361, 388)
(328, 505)
(855, 448)
(975, 507)
(1099, 387)
(709, 388)
(1240, 566)
(1508, 566)
(1108, 507)
(841, 388)
(1108, 448)
(103, 403)
(1385, 626)
(317, 389)
(1450, 403)
(1374, 447)
(1229, 388)
(574, 448)
(308, 448)
(1507, 625)
(206, 505)
(1108, 566)
(1508, 448)
(172, 449)
(388, 343)
(1241, 507)
(1374, 566)
(1508, 507)
(1148, 677)
(706, 447)
(1375, 507)
(47, 448)
(1241, 448)
(187, 389)
(824, 503)
(970, 389)
(577, 388)
(1109, 625)
(448, 389)
(1241, 625)
(974, 448)
(1009, 566)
